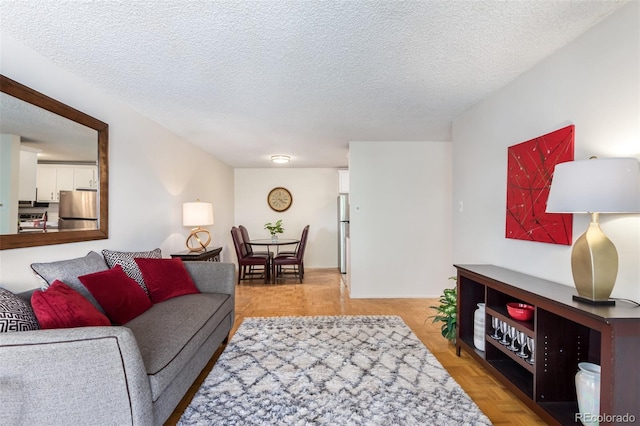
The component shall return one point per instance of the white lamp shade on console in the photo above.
(197, 214)
(608, 185)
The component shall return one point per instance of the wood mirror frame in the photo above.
(26, 94)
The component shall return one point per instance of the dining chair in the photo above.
(245, 238)
(250, 266)
(295, 260)
(293, 252)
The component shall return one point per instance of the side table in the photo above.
(211, 254)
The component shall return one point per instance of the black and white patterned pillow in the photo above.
(126, 260)
(15, 313)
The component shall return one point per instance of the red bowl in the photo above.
(520, 311)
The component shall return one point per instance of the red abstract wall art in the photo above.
(530, 168)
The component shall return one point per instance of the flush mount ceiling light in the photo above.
(280, 159)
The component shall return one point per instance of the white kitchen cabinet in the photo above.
(51, 179)
(343, 181)
(64, 179)
(28, 172)
(85, 177)
(46, 183)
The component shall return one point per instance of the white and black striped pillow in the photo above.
(15, 313)
(126, 260)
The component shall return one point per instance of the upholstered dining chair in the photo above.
(245, 238)
(293, 252)
(295, 260)
(247, 263)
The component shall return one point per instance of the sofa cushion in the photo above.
(119, 295)
(166, 278)
(126, 260)
(171, 333)
(60, 306)
(68, 272)
(15, 313)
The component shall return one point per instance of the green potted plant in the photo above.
(274, 229)
(446, 313)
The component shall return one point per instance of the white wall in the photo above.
(315, 194)
(400, 221)
(152, 172)
(594, 83)
(9, 188)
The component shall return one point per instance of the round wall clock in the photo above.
(279, 199)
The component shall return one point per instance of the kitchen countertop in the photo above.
(37, 225)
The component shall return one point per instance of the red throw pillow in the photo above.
(120, 296)
(59, 306)
(166, 278)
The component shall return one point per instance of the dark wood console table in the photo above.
(211, 254)
(565, 333)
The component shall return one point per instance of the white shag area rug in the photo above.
(340, 370)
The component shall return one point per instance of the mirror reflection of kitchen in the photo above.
(48, 171)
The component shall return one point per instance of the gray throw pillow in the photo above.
(68, 272)
(15, 313)
(126, 260)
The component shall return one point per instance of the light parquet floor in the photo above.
(323, 293)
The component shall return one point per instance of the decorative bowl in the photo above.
(520, 311)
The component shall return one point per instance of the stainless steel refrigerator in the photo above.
(78, 210)
(343, 231)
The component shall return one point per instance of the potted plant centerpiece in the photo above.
(447, 312)
(274, 229)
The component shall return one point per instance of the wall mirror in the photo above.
(53, 138)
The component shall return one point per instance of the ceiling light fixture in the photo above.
(280, 159)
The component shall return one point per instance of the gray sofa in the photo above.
(134, 374)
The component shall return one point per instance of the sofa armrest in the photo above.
(88, 375)
(213, 277)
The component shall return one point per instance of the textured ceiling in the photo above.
(54, 138)
(245, 80)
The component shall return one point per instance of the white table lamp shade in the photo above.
(197, 214)
(608, 185)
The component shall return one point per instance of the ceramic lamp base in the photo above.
(594, 264)
(594, 302)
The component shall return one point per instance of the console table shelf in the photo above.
(565, 333)
(508, 353)
(526, 326)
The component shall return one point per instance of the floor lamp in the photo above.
(595, 186)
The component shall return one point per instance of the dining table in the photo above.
(269, 242)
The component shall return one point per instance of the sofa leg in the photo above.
(226, 340)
